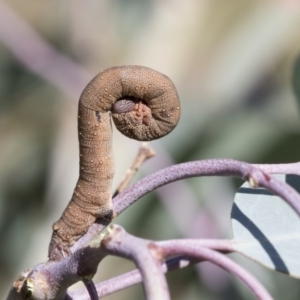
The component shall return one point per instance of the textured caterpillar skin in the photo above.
(144, 105)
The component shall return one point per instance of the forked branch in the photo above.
(58, 276)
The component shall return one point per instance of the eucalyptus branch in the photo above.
(126, 245)
(50, 280)
(83, 262)
(82, 265)
(133, 277)
(143, 252)
(220, 260)
(148, 256)
(212, 167)
(128, 279)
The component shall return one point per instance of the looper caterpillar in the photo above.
(144, 105)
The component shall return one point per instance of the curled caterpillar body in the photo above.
(144, 105)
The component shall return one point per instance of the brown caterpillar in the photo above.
(144, 105)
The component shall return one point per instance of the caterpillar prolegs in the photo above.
(144, 105)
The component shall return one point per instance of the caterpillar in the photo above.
(144, 105)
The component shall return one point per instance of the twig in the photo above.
(145, 253)
(131, 278)
(222, 261)
(145, 152)
(128, 279)
(90, 286)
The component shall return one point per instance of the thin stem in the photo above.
(194, 250)
(90, 286)
(128, 279)
(131, 278)
(183, 248)
(145, 152)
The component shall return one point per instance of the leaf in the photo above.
(266, 229)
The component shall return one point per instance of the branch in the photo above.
(184, 248)
(50, 280)
(84, 262)
(211, 167)
(128, 279)
(148, 254)
(146, 257)
(145, 252)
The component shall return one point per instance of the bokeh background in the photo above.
(235, 67)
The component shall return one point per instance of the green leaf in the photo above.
(266, 229)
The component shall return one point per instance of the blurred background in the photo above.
(235, 67)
